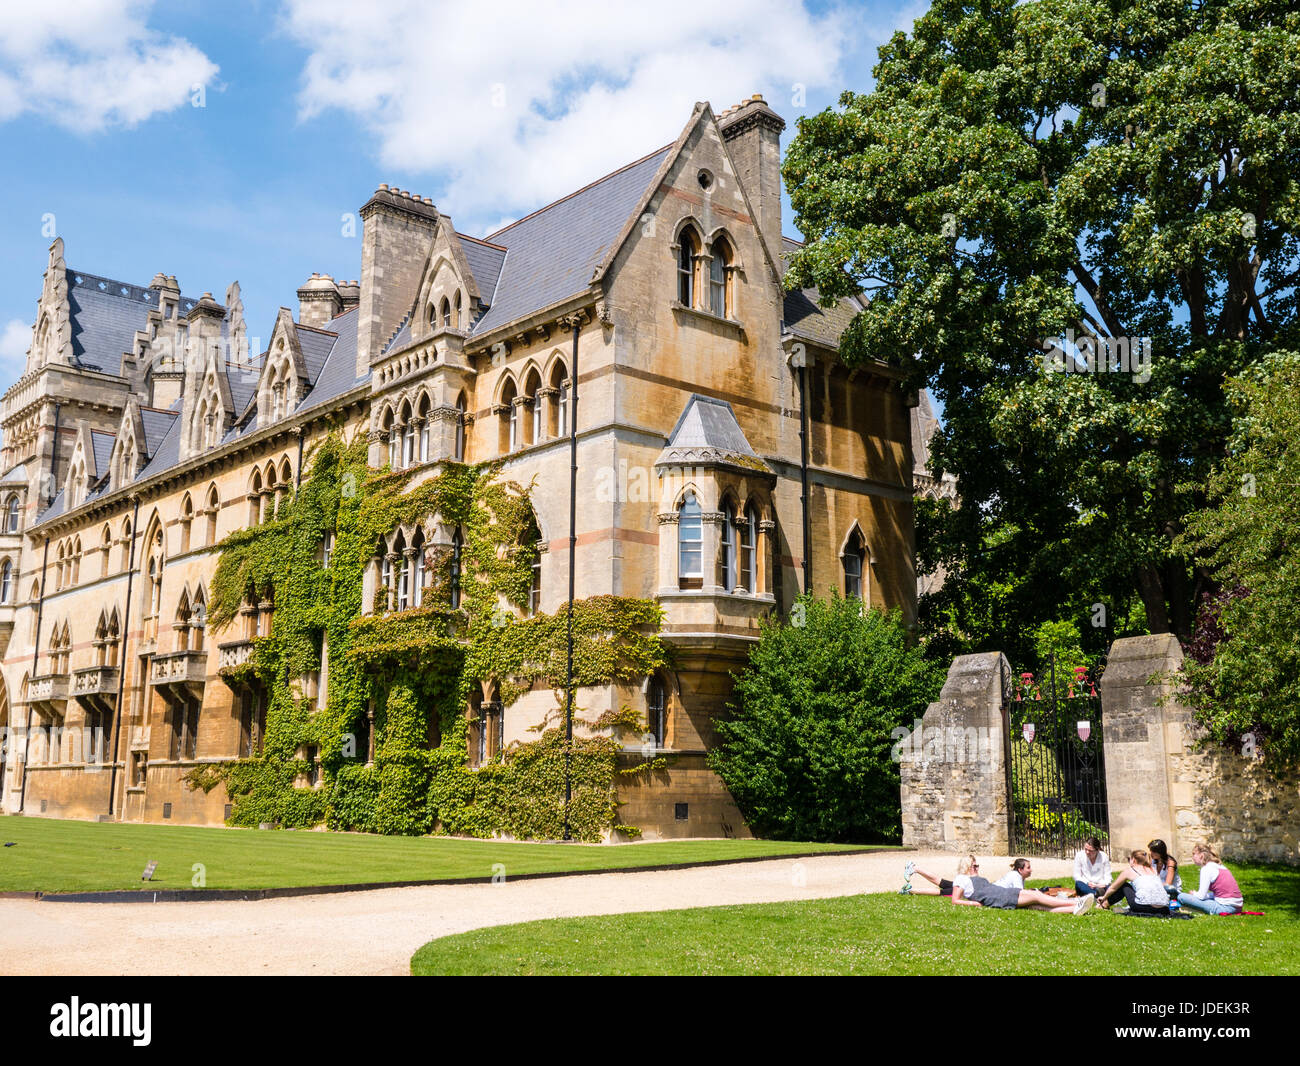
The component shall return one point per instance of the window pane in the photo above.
(690, 539)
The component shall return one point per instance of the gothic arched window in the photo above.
(460, 428)
(656, 705)
(688, 248)
(727, 559)
(719, 278)
(690, 543)
(747, 527)
(457, 562)
(854, 558)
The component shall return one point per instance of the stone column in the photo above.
(1135, 690)
(712, 550)
(766, 548)
(955, 789)
(667, 550)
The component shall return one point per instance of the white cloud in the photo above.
(89, 64)
(15, 339)
(509, 104)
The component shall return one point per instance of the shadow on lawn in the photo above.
(1271, 887)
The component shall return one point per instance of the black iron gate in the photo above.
(1057, 776)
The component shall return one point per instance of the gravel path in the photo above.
(377, 932)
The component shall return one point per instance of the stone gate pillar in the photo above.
(955, 790)
(1141, 727)
(1161, 781)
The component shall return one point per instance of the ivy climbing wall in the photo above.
(418, 667)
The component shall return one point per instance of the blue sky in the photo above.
(227, 142)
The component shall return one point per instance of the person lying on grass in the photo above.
(965, 865)
(1020, 872)
(1140, 885)
(972, 890)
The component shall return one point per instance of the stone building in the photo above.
(145, 430)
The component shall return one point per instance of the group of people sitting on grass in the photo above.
(1150, 884)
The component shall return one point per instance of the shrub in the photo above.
(806, 751)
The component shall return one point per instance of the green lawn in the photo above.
(55, 855)
(890, 934)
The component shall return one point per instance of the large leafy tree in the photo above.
(1244, 665)
(1124, 169)
(806, 752)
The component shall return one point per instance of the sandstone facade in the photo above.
(145, 429)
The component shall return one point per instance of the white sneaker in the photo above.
(1085, 904)
(906, 890)
(908, 870)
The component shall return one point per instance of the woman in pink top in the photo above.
(1218, 893)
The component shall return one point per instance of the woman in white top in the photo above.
(1091, 868)
(1140, 885)
(969, 889)
(1016, 876)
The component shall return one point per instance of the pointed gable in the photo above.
(284, 378)
(554, 253)
(448, 288)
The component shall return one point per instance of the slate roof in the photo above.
(165, 450)
(804, 316)
(707, 432)
(156, 424)
(54, 510)
(17, 473)
(105, 315)
(553, 253)
(243, 383)
(102, 445)
(485, 262)
(401, 337)
(339, 372)
(316, 347)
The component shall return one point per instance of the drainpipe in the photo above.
(122, 661)
(36, 652)
(573, 555)
(803, 476)
(54, 471)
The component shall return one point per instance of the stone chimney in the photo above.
(349, 294)
(398, 235)
(318, 301)
(752, 131)
(204, 321)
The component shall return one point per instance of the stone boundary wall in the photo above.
(1162, 782)
(954, 786)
